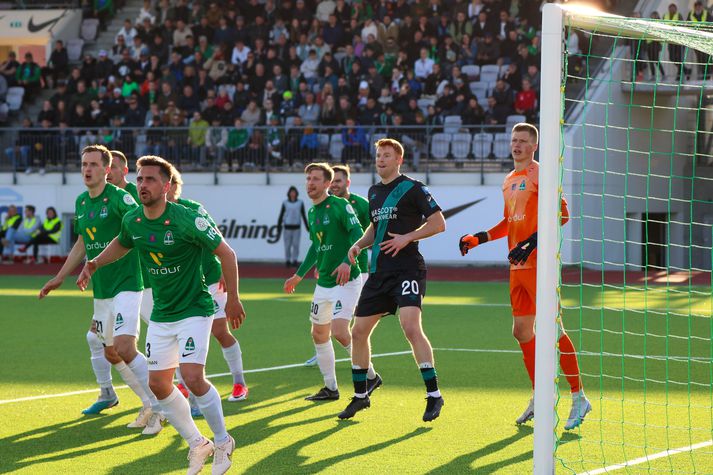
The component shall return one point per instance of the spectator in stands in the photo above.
(653, 52)
(483, 26)
(533, 75)
(496, 114)
(216, 139)
(309, 111)
(238, 138)
(9, 226)
(20, 231)
(526, 101)
(19, 154)
(8, 69)
(146, 13)
(424, 66)
(502, 93)
(49, 233)
(354, 141)
(103, 10)
(57, 66)
(474, 113)
(197, 131)
(28, 76)
(488, 51)
(127, 32)
(699, 14)
(47, 113)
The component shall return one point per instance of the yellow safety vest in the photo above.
(49, 224)
(29, 223)
(676, 17)
(704, 17)
(9, 222)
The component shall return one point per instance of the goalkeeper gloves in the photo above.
(522, 251)
(469, 241)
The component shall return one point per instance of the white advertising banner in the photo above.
(247, 216)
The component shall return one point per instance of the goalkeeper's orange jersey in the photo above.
(520, 190)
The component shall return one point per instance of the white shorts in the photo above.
(220, 297)
(117, 316)
(172, 343)
(336, 302)
(146, 305)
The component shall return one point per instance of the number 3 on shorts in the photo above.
(409, 287)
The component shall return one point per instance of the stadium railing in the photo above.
(451, 146)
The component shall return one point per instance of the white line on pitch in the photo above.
(648, 458)
(256, 370)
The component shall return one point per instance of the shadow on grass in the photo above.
(288, 459)
(64, 440)
(463, 463)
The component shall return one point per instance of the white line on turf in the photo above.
(256, 370)
(648, 458)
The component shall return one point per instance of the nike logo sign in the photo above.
(448, 213)
(34, 28)
(135, 237)
(80, 216)
(116, 328)
(187, 354)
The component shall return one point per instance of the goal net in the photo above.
(627, 114)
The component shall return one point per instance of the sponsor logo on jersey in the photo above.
(119, 321)
(128, 199)
(337, 307)
(325, 219)
(168, 238)
(513, 187)
(90, 232)
(388, 212)
(201, 223)
(522, 185)
(152, 238)
(324, 248)
(349, 209)
(319, 235)
(103, 213)
(156, 257)
(91, 215)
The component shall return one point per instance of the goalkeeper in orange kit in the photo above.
(519, 224)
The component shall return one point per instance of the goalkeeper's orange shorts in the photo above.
(523, 292)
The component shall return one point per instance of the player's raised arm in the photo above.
(435, 224)
(234, 310)
(113, 252)
(75, 257)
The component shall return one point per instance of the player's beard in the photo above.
(149, 201)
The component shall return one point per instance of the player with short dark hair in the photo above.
(169, 239)
(397, 273)
(519, 224)
(117, 290)
(333, 228)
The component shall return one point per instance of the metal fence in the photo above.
(435, 148)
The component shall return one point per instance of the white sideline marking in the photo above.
(648, 458)
(256, 370)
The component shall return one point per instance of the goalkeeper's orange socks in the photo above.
(528, 356)
(568, 363)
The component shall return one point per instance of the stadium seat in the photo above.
(89, 29)
(501, 147)
(452, 123)
(503, 69)
(323, 140)
(512, 120)
(440, 144)
(460, 145)
(338, 56)
(74, 48)
(14, 98)
(336, 146)
(489, 76)
(479, 90)
(482, 145)
(471, 70)
(423, 104)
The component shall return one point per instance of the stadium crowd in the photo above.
(232, 75)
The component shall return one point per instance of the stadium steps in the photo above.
(105, 39)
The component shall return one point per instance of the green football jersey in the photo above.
(133, 191)
(98, 221)
(333, 229)
(211, 264)
(171, 248)
(361, 208)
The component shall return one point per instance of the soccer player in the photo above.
(117, 290)
(333, 228)
(519, 224)
(397, 273)
(216, 286)
(169, 239)
(117, 177)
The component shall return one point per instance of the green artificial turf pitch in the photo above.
(656, 398)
